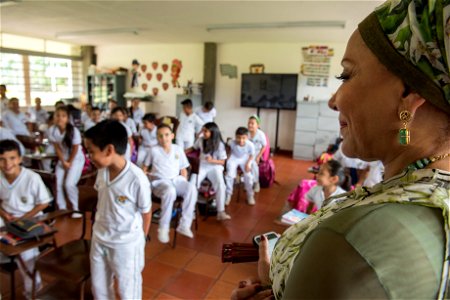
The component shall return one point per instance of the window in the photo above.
(12, 74)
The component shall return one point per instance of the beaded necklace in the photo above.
(422, 163)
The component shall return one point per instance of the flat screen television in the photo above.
(269, 91)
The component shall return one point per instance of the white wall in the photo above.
(191, 56)
(277, 58)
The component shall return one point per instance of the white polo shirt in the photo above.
(189, 125)
(242, 152)
(38, 116)
(206, 116)
(84, 117)
(167, 165)
(27, 191)
(138, 114)
(259, 140)
(316, 195)
(121, 203)
(219, 154)
(132, 125)
(88, 124)
(129, 135)
(149, 138)
(15, 122)
(6, 134)
(57, 137)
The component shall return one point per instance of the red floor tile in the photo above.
(156, 274)
(178, 257)
(205, 264)
(189, 285)
(221, 290)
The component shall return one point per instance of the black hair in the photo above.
(242, 131)
(212, 144)
(336, 169)
(9, 145)
(3, 86)
(68, 136)
(112, 100)
(108, 132)
(163, 125)
(119, 108)
(95, 108)
(59, 102)
(13, 99)
(187, 102)
(149, 117)
(208, 105)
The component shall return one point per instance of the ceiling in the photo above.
(181, 21)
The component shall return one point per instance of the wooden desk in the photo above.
(37, 159)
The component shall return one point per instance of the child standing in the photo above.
(330, 178)
(258, 138)
(212, 160)
(242, 154)
(66, 140)
(148, 136)
(119, 114)
(207, 112)
(123, 214)
(22, 195)
(169, 179)
(190, 125)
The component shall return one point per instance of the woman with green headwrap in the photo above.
(391, 240)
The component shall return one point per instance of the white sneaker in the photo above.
(251, 200)
(222, 216)
(76, 215)
(163, 235)
(228, 200)
(185, 231)
(257, 187)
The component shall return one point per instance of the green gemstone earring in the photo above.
(403, 134)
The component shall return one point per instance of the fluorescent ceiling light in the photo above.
(4, 3)
(74, 34)
(299, 24)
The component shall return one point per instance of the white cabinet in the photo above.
(316, 127)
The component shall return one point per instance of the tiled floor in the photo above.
(193, 270)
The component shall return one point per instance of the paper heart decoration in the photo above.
(144, 68)
(155, 65)
(149, 76)
(155, 91)
(165, 86)
(144, 86)
(165, 67)
(159, 76)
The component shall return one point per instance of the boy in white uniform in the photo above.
(95, 117)
(190, 125)
(242, 154)
(22, 195)
(149, 139)
(258, 138)
(6, 134)
(123, 214)
(38, 114)
(14, 119)
(169, 179)
(119, 114)
(136, 112)
(207, 112)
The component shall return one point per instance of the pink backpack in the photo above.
(266, 168)
(297, 198)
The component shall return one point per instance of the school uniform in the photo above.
(118, 239)
(149, 140)
(259, 141)
(188, 127)
(84, 117)
(316, 195)
(67, 180)
(7, 134)
(38, 116)
(138, 114)
(129, 135)
(168, 184)
(213, 172)
(88, 124)
(206, 116)
(15, 122)
(130, 123)
(18, 198)
(375, 175)
(238, 158)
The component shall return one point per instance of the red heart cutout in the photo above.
(165, 67)
(165, 86)
(144, 68)
(159, 76)
(155, 65)
(149, 76)
(144, 86)
(155, 91)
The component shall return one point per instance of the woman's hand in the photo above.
(251, 289)
(264, 261)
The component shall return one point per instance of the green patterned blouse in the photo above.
(427, 188)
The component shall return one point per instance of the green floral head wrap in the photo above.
(412, 39)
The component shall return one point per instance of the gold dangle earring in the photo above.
(404, 135)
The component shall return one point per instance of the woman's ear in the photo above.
(410, 101)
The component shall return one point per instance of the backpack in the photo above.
(266, 173)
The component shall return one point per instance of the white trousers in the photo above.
(232, 165)
(185, 140)
(168, 190)
(255, 171)
(125, 262)
(47, 163)
(144, 154)
(72, 176)
(215, 176)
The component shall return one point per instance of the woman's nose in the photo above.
(332, 102)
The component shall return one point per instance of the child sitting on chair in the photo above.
(148, 137)
(169, 179)
(22, 195)
(123, 214)
(242, 154)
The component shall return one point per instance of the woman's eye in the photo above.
(343, 77)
